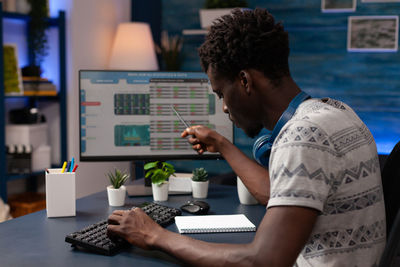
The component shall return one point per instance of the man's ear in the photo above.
(245, 80)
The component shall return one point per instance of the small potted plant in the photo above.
(214, 9)
(159, 172)
(200, 183)
(38, 44)
(116, 191)
(170, 51)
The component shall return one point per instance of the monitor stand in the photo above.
(138, 190)
(142, 187)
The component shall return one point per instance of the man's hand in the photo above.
(135, 226)
(203, 139)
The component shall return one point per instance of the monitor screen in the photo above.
(127, 115)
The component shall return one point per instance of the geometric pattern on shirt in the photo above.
(337, 144)
(345, 240)
(298, 194)
(354, 202)
(351, 138)
(309, 136)
(334, 103)
(362, 170)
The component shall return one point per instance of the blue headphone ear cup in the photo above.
(263, 145)
(262, 149)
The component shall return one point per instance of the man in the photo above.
(323, 191)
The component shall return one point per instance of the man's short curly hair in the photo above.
(246, 39)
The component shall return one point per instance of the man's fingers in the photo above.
(193, 140)
(113, 231)
(114, 219)
(118, 212)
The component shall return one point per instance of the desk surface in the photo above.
(34, 239)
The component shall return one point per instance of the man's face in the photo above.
(236, 103)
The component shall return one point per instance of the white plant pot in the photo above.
(160, 192)
(245, 197)
(207, 16)
(116, 197)
(200, 189)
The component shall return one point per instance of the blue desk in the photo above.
(35, 240)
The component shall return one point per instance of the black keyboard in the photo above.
(94, 237)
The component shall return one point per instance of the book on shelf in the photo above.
(12, 72)
(39, 87)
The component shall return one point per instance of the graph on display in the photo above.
(131, 104)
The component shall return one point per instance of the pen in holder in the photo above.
(60, 193)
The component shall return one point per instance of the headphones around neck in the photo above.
(262, 146)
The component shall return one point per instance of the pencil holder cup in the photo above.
(60, 193)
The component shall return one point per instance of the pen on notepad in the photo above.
(180, 118)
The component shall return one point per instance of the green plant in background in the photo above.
(170, 51)
(37, 35)
(200, 175)
(159, 171)
(209, 4)
(118, 178)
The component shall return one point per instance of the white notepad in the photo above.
(214, 224)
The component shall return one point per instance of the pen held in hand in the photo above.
(180, 118)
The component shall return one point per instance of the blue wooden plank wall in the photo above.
(319, 61)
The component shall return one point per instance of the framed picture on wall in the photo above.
(335, 6)
(372, 33)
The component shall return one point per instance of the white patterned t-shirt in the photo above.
(325, 158)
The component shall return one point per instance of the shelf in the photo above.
(11, 177)
(58, 96)
(50, 97)
(25, 17)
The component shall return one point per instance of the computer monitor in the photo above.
(127, 115)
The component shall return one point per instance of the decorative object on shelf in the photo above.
(200, 183)
(336, 6)
(38, 44)
(25, 203)
(159, 172)
(245, 197)
(133, 48)
(372, 33)
(19, 158)
(170, 51)
(37, 86)
(116, 192)
(214, 9)
(25, 116)
(12, 72)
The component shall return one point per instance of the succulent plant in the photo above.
(118, 178)
(200, 175)
(159, 171)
